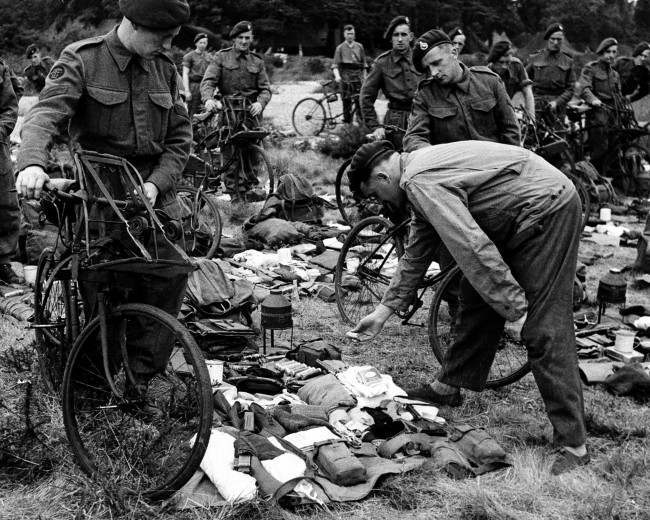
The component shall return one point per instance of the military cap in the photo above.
(425, 43)
(554, 27)
(200, 36)
(498, 50)
(363, 161)
(606, 44)
(240, 27)
(640, 49)
(31, 49)
(156, 14)
(456, 31)
(398, 20)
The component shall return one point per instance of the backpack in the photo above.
(298, 203)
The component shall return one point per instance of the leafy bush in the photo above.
(315, 65)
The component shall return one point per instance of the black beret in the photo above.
(425, 43)
(554, 27)
(200, 36)
(640, 49)
(31, 49)
(240, 27)
(498, 50)
(363, 160)
(398, 20)
(156, 14)
(606, 44)
(456, 31)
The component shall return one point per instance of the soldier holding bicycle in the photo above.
(237, 71)
(120, 95)
(394, 74)
(601, 88)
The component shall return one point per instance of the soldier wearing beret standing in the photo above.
(38, 69)
(511, 71)
(601, 88)
(119, 94)
(195, 63)
(394, 74)
(551, 71)
(634, 72)
(236, 71)
(456, 103)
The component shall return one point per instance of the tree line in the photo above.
(287, 22)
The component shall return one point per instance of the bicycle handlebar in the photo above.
(58, 189)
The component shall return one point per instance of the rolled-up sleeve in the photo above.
(444, 205)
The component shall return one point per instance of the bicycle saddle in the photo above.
(247, 136)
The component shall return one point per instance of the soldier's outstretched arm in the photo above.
(368, 96)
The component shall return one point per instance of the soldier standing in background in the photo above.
(552, 74)
(634, 73)
(513, 74)
(601, 88)
(9, 212)
(349, 70)
(39, 68)
(394, 74)
(195, 64)
(236, 71)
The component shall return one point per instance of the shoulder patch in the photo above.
(56, 72)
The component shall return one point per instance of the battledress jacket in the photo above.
(114, 102)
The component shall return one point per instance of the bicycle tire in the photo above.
(120, 441)
(202, 230)
(307, 110)
(503, 372)
(338, 189)
(358, 291)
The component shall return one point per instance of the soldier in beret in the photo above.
(551, 71)
(119, 94)
(497, 208)
(601, 88)
(394, 74)
(236, 71)
(195, 63)
(511, 71)
(454, 102)
(634, 73)
(38, 69)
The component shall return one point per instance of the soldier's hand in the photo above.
(30, 181)
(371, 325)
(596, 103)
(552, 106)
(378, 134)
(151, 192)
(187, 95)
(515, 327)
(255, 109)
(213, 104)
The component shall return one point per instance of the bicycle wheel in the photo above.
(52, 303)
(202, 230)
(342, 190)
(148, 439)
(366, 264)
(511, 360)
(308, 117)
(257, 166)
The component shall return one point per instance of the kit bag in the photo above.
(313, 351)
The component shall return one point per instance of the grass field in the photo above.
(39, 479)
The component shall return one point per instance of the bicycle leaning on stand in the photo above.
(311, 115)
(144, 430)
